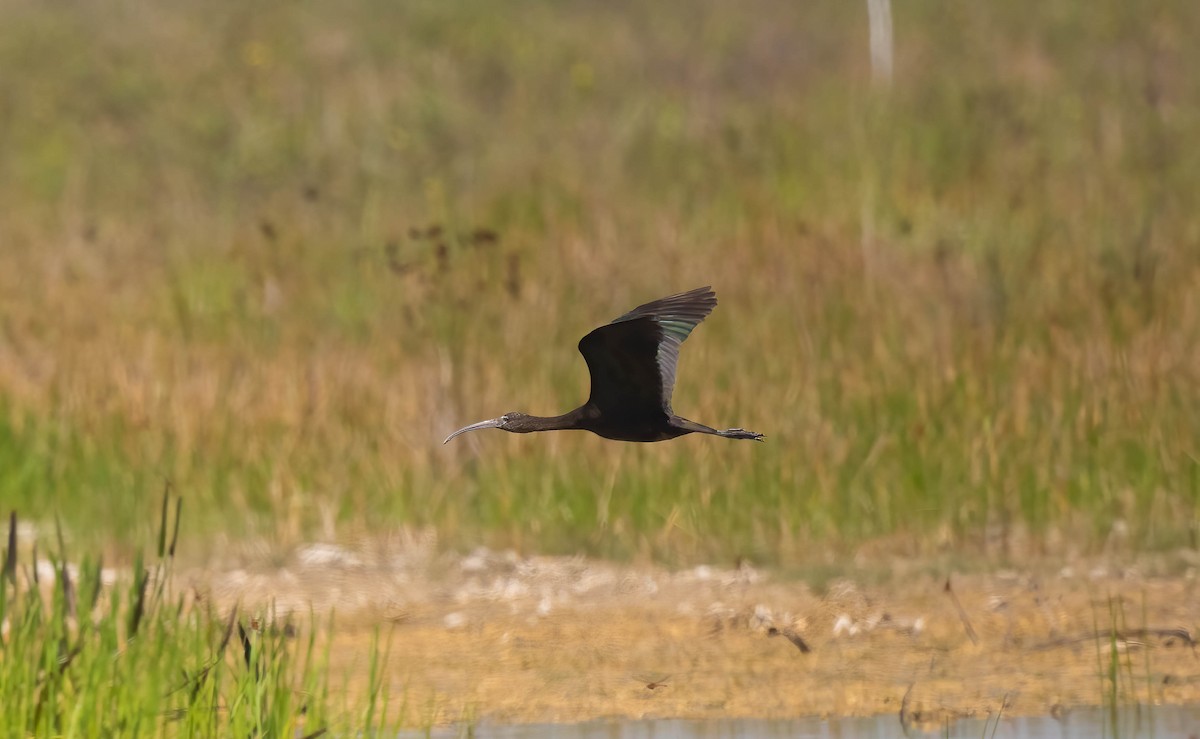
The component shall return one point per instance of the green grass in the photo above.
(82, 657)
(961, 306)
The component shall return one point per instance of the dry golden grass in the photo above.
(958, 309)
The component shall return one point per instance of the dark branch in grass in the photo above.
(999, 715)
(10, 554)
(96, 583)
(67, 588)
(1130, 637)
(962, 613)
(905, 719)
(228, 631)
(259, 668)
(792, 636)
(139, 603)
(65, 662)
(175, 532)
(246, 645)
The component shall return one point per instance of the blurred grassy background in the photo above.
(964, 310)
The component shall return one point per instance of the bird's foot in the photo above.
(741, 434)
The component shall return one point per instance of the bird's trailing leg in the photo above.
(699, 428)
(740, 434)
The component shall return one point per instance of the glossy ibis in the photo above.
(632, 362)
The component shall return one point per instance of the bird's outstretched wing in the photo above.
(632, 360)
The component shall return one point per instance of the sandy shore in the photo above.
(498, 637)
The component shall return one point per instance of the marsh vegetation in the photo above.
(271, 253)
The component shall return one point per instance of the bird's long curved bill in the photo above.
(491, 423)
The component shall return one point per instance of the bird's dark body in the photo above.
(635, 426)
(632, 362)
(641, 430)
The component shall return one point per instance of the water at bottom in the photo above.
(1159, 722)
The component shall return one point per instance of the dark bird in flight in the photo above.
(632, 362)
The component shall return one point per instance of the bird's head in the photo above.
(514, 421)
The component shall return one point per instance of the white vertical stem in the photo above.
(879, 13)
(879, 16)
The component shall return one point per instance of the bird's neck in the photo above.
(575, 419)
